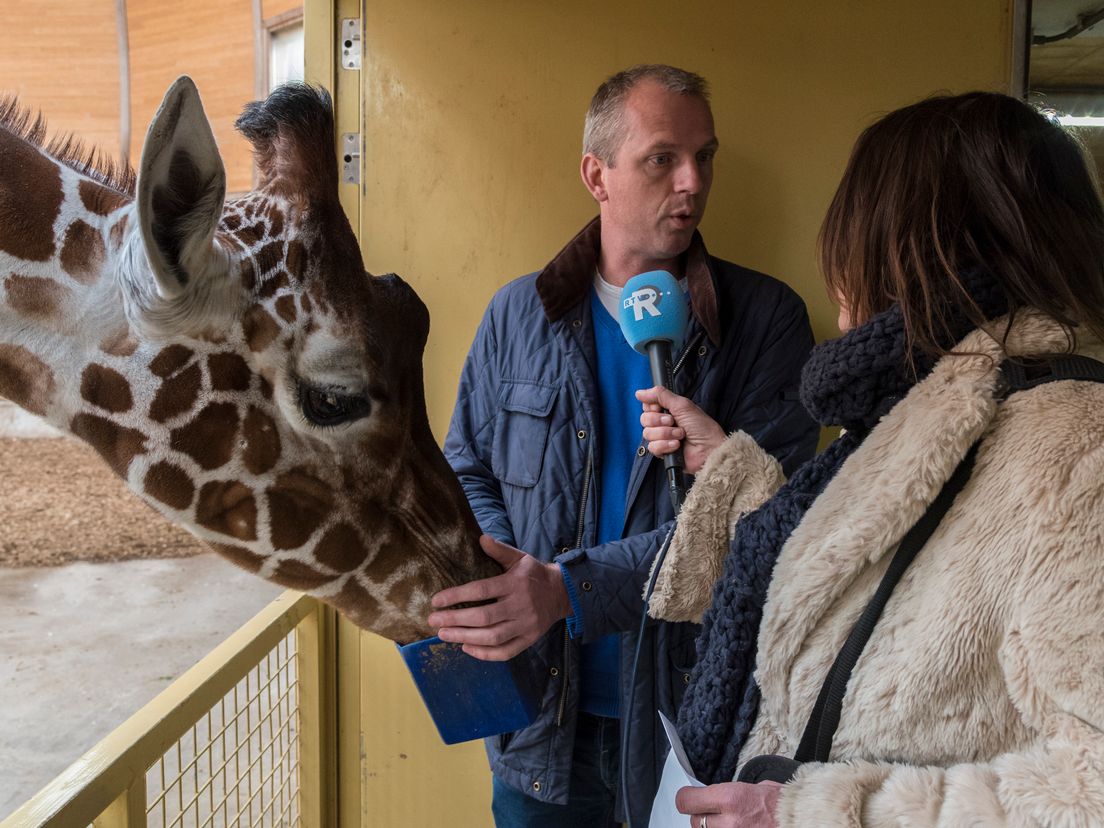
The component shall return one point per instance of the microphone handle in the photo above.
(659, 360)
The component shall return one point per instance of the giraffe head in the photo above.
(234, 362)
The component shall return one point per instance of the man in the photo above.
(546, 441)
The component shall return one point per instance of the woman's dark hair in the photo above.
(954, 184)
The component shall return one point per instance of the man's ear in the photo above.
(181, 189)
(593, 172)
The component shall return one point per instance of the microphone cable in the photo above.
(627, 717)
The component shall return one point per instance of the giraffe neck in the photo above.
(61, 307)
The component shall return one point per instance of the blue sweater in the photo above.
(621, 371)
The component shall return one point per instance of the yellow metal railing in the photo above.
(244, 738)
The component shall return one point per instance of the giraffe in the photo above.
(232, 361)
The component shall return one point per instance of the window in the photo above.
(283, 49)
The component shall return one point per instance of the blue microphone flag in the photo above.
(653, 308)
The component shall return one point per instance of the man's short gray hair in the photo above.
(604, 129)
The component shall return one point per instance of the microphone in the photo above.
(654, 316)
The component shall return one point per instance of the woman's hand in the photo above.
(730, 805)
(686, 426)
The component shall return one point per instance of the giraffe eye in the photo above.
(329, 407)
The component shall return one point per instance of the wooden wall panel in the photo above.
(210, 40)
(61, 57)
(273, 8)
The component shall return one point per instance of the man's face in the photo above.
(655, 192)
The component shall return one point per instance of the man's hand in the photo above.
(528, 598)
(731, 804)
(686, 425)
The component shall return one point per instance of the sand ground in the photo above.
(103, 604)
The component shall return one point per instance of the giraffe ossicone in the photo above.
(232, 360)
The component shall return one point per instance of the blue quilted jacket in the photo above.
(523, 442)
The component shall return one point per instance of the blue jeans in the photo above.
(594, 782)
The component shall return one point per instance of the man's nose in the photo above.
(690, 178)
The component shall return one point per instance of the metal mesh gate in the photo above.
(239, 764)
(238, 741)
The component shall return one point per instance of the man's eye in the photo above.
(327, 407)
(706, 157)
(661, 160)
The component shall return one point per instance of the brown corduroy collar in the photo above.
(565, 280)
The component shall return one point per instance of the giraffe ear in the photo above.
(181, 189)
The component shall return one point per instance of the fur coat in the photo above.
(979, 699)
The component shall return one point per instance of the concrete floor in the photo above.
(84, 646)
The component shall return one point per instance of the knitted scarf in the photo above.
(852, 382)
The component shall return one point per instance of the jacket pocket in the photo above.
(521, 431)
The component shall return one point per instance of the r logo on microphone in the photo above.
(643, 299)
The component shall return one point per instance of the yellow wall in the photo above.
(472, 115)
(474, 112)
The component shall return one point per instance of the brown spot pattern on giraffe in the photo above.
(248, 277)
(106, 388)
(209, 438)
(269, 257)
(275, 221)
(355, 601)
(118, 232)
(35, 298)
(315, 289)
(120, 343)
(83, 252)
(262, 441)
(259, 328)
(170, 485)
(238, 555)
(297, 575)
(170, 360)
(251, 236)
(212, 335)
(176, 395)
(297, 505)
(116, 444)
(391, 554)
(402, 591)
(340, 549)
(285, 307)
(228, 372)
(296, 259)
(228, 507)
(99, 199)
(30, 200)
(25, 379)
(273, 285)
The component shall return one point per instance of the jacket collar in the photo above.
(564, 281)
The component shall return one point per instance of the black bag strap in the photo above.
(816, 742)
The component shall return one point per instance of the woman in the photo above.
(967, 230)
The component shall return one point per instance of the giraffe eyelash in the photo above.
(327, 407)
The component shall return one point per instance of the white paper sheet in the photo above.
(677, 773)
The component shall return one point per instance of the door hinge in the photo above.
(350, 43)
(350, 158)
